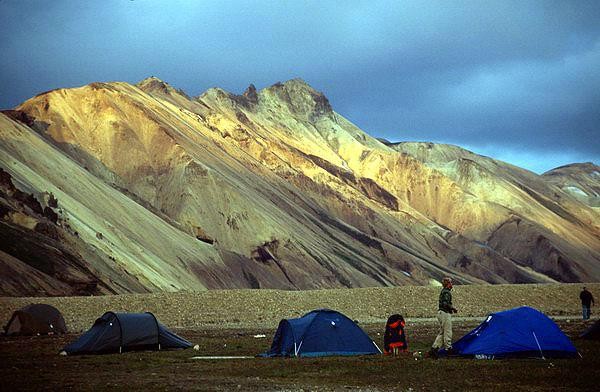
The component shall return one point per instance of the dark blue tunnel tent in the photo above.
(120, 332)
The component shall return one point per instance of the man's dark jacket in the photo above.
(446, 300)
(586, 298)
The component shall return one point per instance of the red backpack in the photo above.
(394, 340)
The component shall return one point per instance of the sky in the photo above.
(515, 80)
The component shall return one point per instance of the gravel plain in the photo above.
(264, 308)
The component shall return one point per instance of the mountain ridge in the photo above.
(278, 181)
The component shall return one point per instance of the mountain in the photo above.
(580, 180)
(153, 190)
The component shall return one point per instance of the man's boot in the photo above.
(433, 353)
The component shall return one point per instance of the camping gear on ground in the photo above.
(120, 332)
(320, 333)
(592, 333)
(36, 319)
(519, 332)
(394, 339)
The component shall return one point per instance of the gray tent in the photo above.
(119, 332)
(36, 319)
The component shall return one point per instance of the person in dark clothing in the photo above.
(445, 309)
(587, 300)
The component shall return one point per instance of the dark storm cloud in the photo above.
(514, 80)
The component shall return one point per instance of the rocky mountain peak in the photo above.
(251, 93)
(248, 99)
(298, 82)
(584, 167)
(301, 98)
(250, 96)
(152, 81)
(580, 180)
(153, 84)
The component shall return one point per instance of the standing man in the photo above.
(587, 300)
(445, 309)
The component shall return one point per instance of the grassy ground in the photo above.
(33, 364)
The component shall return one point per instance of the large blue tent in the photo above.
(119, 332)
(519, 332)
(320, 333)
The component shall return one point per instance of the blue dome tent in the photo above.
(119, 332)
(519, 332)
(320, 333)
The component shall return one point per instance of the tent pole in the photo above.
(378, 349)
(538, 344)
